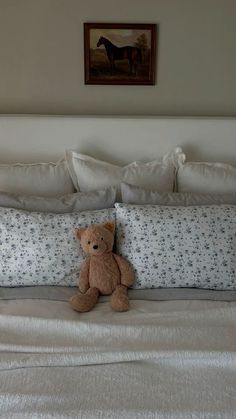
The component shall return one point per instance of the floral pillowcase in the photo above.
(167, 246)
(179, 246)
(40, 248)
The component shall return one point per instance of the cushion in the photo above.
(88, 173)
(206, 177)
(45, 179)
(40, 248)
(179, 246)
(79, 201)
(135, 195)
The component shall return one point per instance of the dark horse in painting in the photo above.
(132, 54)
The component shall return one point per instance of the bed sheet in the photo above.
(155, 294)
(161, 359)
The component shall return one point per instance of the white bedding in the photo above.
(162, 359)
(172, 358)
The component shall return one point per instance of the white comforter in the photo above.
(168, 359)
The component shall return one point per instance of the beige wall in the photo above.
(41, 57)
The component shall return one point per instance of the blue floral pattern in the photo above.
(40, 248)
(179, 246)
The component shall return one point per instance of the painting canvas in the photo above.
(120, 53)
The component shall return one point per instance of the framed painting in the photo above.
(118, 53)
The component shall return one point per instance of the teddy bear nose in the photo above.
(95, 246)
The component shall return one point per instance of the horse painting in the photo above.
(114, 53)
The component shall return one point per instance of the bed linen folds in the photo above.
(166, 359)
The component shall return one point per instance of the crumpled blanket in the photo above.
(168, 359)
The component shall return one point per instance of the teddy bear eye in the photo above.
(101, 238)
(89, 242)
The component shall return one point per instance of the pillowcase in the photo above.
(45, 179)
(79, 201)
(40, 248)
(179, 246)
(90, 174)
(135, 195)
(206, 177)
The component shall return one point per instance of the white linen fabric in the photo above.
(88, 173)
(206, 177)
(135, 195)
(179, 246)
(174, 359)
(63, 293)
(40, 248)
(45, 179)
(79, 201)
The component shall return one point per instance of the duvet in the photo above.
(169, 358)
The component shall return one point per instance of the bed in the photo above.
(173, 354)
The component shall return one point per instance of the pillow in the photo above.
(179, 246)
(206, 177)
(79, 201)
(40, 249)
(135, 195)
(90, 174)
(45, 179)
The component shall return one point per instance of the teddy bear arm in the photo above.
(126, 271)
(84, 276)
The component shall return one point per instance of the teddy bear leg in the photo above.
(119, 299)
(85, 302)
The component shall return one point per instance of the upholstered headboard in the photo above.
(116, 139)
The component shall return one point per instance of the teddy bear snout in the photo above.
(95, 246)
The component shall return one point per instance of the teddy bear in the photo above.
(103, 272)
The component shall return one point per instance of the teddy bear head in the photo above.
(96, 239)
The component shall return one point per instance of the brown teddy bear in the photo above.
(103, 272)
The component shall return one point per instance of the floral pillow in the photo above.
(179, 246)
(40, 248)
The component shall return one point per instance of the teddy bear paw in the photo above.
(84, 302)
(119, 299)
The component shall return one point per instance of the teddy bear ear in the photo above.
(110, 227)
(79, 232)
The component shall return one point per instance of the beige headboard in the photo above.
(116, 139)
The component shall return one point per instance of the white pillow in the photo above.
(179, 246)
(134, 195)
(40, 248)
(206, 178)
(90, 174)
(45, 179)
(74, 202)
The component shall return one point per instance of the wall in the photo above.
(41, 46)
